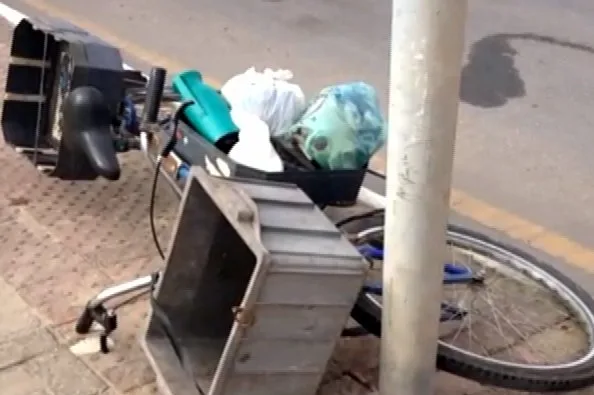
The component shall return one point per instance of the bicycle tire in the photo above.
(481, 370)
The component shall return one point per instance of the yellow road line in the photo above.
(516, 227)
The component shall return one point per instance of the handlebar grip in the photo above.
(154, 94)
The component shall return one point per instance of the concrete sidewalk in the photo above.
(61, 242)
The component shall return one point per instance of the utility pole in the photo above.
(426, 54)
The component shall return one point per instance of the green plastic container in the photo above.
(210, 114)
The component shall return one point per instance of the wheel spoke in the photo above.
(516, 301)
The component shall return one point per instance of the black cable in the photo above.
(167, 148)
(376, 174)
(152, 207)
(358, 217)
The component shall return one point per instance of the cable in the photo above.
(376, 174)
(152, 207)
(164, 153)
(358, 217)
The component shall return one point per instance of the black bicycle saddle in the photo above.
(86, 127)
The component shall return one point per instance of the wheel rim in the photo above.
(498, 256)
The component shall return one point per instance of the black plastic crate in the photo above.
(324, 187)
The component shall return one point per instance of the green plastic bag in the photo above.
(342, 128)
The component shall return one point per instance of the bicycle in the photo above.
(488, 257)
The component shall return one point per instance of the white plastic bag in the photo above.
(268, 95)
(254, 148)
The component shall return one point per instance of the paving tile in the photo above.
(355, 361)
(125, 366)
(344, 386)
(64, 374)
(109, 391)
(150, 389)
(120, 269)
(333, 372)
(447, 384)
(129, 375)
(65, 333)
(21, 249)
(360, 357)
(17, 381)
(360, 354)
(16, 317)
(61, 295)
(126, 349)
(25, 347)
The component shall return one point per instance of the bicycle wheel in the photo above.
(482, 350)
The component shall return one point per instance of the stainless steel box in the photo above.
(257, 288)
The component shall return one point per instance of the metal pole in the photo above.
(426, 53)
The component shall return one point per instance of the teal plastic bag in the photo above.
(342, 127)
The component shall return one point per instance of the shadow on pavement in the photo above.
(490, 77)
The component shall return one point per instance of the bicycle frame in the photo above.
(453, 274)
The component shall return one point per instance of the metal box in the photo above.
(257, 288)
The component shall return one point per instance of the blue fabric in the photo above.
(343, 126)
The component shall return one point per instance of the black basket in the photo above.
(324, 187)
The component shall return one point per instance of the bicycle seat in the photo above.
(87, 127)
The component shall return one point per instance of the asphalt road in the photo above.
(524, 142)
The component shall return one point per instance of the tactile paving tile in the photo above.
(52, 278)
(95, 218)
